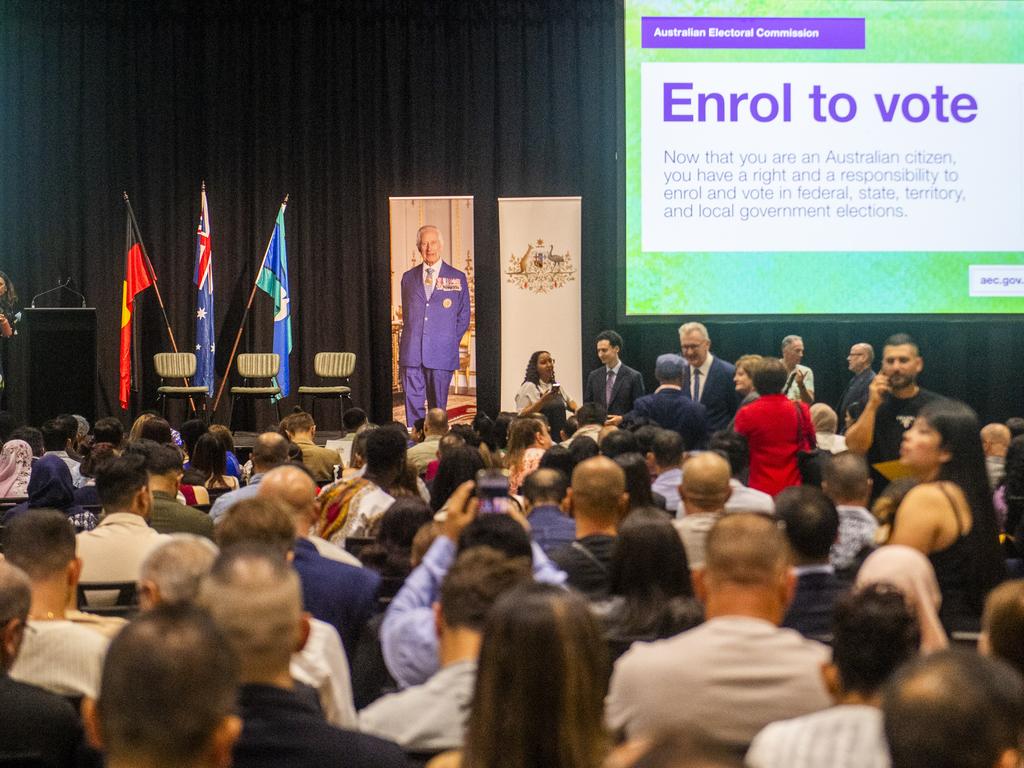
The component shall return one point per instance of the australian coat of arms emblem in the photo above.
(539, 269)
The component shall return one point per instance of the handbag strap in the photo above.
(800, 430)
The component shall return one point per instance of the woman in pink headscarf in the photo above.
(912, 574)
(15, 468)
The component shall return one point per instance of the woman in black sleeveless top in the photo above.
(949, 516)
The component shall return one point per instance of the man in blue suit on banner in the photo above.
(435, 315)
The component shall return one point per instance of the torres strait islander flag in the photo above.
(137, 278)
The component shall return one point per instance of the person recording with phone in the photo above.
(541, 392)
(894, 400)
(409, 639)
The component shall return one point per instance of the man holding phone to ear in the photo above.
(894, 400)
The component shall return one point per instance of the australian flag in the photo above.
(203, 280)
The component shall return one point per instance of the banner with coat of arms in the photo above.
(540, 290)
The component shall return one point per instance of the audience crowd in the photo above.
(720, 572)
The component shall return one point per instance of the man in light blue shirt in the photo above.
(408, 636)
(270, 450)
(666, 455)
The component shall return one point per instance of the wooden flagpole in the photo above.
(245, 314)
(156, 286)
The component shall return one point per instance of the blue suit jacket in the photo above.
(342, 595)
(431, 330)
(673, 409)
(815, 599)
(718, 393)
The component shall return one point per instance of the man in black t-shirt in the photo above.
(894, 400)
(598, 501)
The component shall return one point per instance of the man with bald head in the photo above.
(598, 500)
(703, 492)
(995, 441)
(861, 356)
(435, 426)
(269, 451)
(340, 594)
(736, 672)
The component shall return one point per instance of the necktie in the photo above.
(696, 385)
(609, 384)
(428, 284)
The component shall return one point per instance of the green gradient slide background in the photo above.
(781, 283)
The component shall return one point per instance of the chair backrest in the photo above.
(174, 365)
(127, 596)
(259, 365)
(334, 365)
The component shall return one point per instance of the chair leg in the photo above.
(231, 414)
(163, 406)
(277, 405)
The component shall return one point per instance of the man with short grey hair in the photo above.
(171, 573)
(800, 381)
(255, 598)
(708, 379)
(861, 356)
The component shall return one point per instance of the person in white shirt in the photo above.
(704, 489)
(56, 654)
(743, 498)
(874, 633)
(800, 381)
(826, 424)
(115, 549)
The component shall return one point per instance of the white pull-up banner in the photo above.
(540, 290)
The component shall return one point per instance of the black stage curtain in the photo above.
(342, 104)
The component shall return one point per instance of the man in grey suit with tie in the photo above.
(614, 385)
(708, 379)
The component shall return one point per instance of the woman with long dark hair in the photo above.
(650, 587)
(456, 466)
(638, 479)
(210, 460)
(948, 516)
(1009, 496)
(540, 685)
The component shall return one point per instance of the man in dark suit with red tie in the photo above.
(435, 315)
(614, 385)
(708, 379)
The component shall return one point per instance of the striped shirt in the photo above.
(847, 736)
